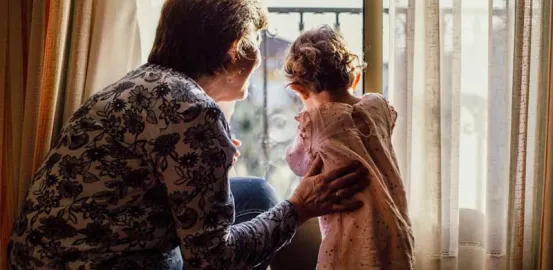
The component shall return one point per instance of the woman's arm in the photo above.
(193, 159)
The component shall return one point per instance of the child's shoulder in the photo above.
(373, 101)
(375, 98)
(331, 110)
(325, 115)
(374, 104)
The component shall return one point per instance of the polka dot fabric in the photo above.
(379, 235)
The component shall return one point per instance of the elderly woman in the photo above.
(139, 176)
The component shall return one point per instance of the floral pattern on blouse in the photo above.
(139, 171)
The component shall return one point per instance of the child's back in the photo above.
(378, 236)
(340, 128)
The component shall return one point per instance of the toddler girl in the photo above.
(339, 127)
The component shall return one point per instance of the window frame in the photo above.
(372, 46)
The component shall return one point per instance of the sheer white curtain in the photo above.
(116, 46)
(463, 79)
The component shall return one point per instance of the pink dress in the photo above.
(379, 235)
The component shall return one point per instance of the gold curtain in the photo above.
(546, 223)
(53, 55)
(16, 33)
(544, 226)
(34, 77)
(546, 234)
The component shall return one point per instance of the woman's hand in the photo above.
(236, 143)
(325, 193)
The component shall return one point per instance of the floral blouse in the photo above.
(139, 170)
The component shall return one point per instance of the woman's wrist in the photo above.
(301, 213)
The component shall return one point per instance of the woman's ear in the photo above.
(245, 56)
(302, 91)
(356, 80)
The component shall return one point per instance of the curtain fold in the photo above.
(77, 62)
(33, 78)
(115, 46)
(425, 185)
(519, 133)
(53, 72)
(544, 167)
(13, 22)
(466, 86)
(500, 29)
(546, 222)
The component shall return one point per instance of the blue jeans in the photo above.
(252, 196)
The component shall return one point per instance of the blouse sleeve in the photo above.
(193, 158)
(298, 155)
(393, 115)
(390, 112)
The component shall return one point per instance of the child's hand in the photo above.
(236, 143)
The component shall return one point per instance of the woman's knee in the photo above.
(252, 195)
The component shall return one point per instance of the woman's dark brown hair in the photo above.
(205, 37)
(319, 59)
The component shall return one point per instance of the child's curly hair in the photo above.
(319, 59)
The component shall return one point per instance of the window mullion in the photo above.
(372, 46)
